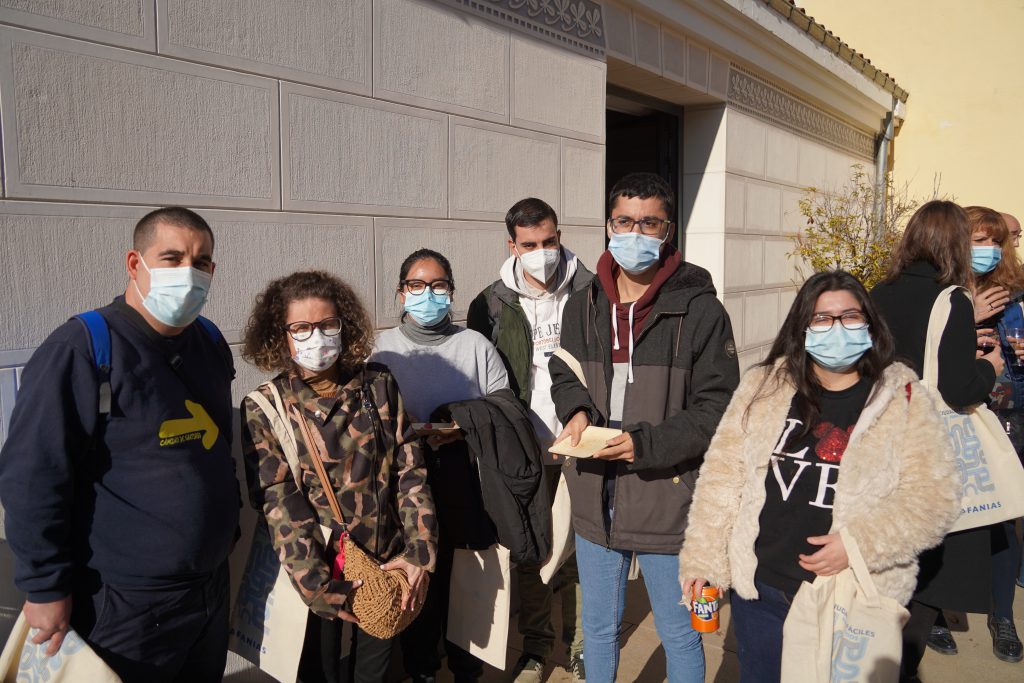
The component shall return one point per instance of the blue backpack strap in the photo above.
(212, 330)
(217, 337)
(99, 339)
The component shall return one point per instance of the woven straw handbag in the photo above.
(378, 602)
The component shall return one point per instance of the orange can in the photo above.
(704, 611)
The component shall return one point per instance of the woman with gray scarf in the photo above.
(437, 362)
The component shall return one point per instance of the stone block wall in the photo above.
(743, 178)
(340, 136)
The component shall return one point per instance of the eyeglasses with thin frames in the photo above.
(851, 320)
(652, 227)
(439, 287)
(301, 330)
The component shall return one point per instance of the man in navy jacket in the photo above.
(118, 485)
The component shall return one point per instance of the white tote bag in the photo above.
(990, 471)
(564, 539)
(24, 662)
(269, 617)
(840, 628)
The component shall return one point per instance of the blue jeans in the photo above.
(758, 626)
(603, 572)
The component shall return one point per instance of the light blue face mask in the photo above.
(426, 307)
(634, 252)
(839, 348)
(985, 259)
(176, 295)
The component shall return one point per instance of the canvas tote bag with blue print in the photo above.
(841, 629)
(991, 475)
(24, 662)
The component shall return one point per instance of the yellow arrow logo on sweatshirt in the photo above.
(199, 426)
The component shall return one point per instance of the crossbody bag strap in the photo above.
(321, 472)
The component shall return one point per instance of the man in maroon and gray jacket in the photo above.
(656, 349)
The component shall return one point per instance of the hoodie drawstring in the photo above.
(615, 329)
(629, 370)
(615, 337)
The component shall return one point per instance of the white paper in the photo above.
(592, 440)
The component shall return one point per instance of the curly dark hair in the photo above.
(264, 343)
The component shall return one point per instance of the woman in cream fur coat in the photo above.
(827, 433)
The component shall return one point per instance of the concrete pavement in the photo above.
(643, 661)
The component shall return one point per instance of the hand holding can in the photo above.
(704, 610)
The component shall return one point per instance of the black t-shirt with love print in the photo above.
(800, 485)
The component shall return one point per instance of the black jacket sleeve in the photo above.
(713, 379)
(963, 379)
(479, 317)
(51, 430)
(567, 391)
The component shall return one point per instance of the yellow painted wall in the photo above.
(963, 64)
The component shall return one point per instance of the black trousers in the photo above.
(420, 641)
(158, 636)
(368, 657)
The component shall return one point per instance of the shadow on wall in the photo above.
(702, 128)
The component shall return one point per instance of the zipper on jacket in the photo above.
(378, 437)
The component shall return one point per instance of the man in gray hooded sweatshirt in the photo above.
(521, 314)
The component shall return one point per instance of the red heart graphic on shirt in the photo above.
(832, 441)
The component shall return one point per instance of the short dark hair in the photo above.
(177, 216)
(644, 186)
(422, 255)
(527, 213)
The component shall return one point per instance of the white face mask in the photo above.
(176, 295)
(541, 264)
(317, 353)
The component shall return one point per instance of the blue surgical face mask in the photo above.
(634, 252)
(985, 259)
(426, 307)
(839, 348)
(176, 295)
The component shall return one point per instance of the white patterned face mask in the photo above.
(317, 353)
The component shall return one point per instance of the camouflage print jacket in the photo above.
(378, 475)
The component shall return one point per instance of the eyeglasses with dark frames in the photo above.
(301, 330)
(851, 320)
(439, 287)
(648, 226)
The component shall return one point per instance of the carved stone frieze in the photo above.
(574, 24)
(758, 97)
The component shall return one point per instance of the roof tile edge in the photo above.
(789, 10)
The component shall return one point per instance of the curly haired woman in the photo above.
(311, 328)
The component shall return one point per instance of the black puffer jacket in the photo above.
(502, 443)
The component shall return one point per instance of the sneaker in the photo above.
(529, 669)
(941, 640)
(1005, 643)
(576, 668)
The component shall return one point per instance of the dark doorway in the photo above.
(641, 136)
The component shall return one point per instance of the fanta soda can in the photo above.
(704, 612)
